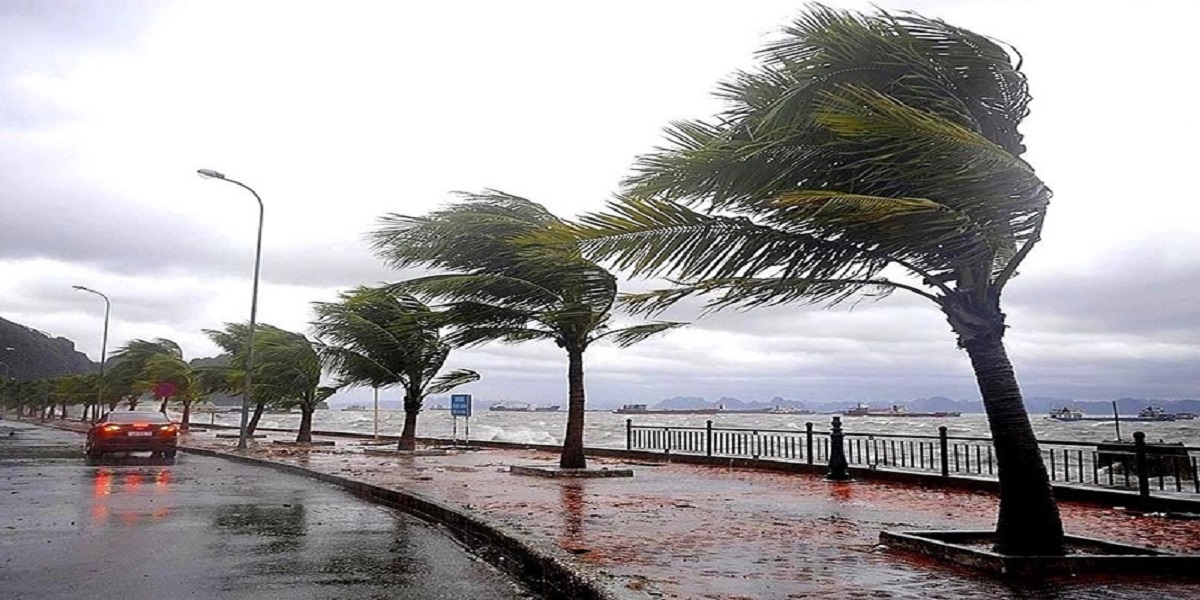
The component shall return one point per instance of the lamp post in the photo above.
(242, 433)
(103, 346)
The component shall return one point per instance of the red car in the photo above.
(132, 431)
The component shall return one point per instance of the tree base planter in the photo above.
(305, 444)
(235, 436)
(547, 471)
(395, 452)
(460, 448)
(1085, 556)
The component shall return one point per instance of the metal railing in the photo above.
(1128, 465)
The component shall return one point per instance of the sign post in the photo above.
(460, 406)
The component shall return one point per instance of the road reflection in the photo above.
(124, 497)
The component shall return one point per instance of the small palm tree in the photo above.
(232, 340)
(501, 288)
(287, 368)
(866, 155)
(382, 338)
(127, 375)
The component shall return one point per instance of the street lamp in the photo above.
(242, 434)
(103, 346)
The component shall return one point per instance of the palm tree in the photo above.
(381, 338)
(184, 384)
(232, 341)
(287, 368)
(127, 375)
(500, 288)
(862, 143)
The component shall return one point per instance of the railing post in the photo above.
(808, 442)
(708, 438)
(1143, 473)
(838, 470)
(945, 446)
(629, 434)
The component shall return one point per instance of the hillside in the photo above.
(32, 354)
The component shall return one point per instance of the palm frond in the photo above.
(629, 336)
(448, 381)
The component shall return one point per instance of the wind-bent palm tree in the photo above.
(287, 368)
(500, 288)
(232, 340)
(381, 338)
(861, 143)
(128, 373)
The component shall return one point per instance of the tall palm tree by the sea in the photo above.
(865, 154)
(499, 288)
(382, 338)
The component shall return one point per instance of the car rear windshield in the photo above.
(137, 417)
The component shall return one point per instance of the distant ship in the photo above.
(356, 407)
(862, 410)
(642, 409)
(1066, 414)
(1148, 414)
(1152, 413)
(501, 407)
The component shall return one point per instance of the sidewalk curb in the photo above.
(539, 567)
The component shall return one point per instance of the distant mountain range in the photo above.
(27, 353)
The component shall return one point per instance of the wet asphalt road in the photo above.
(133, 528)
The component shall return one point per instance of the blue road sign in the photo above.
(460, 405)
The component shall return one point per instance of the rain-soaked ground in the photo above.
(686, 531)
(133, 527)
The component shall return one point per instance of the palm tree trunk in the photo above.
(572, 452)
(258, 411)
(1029, 522)
(304, 434)
(162, 408)
(412, 408)
(185, 422)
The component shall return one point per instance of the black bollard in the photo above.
(1139, 461)
(838, 468)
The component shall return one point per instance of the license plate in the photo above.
(140, 433)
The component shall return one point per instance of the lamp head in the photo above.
(80, 287)
(211, 174)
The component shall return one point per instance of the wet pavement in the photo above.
(687, 531)
(199, 527)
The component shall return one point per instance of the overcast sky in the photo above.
(338, 112)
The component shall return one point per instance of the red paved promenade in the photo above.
(685, 531)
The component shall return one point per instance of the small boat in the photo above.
(1066, 414)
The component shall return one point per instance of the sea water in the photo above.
(605, 429)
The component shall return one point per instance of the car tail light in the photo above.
(110, 428)
(168, 428)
